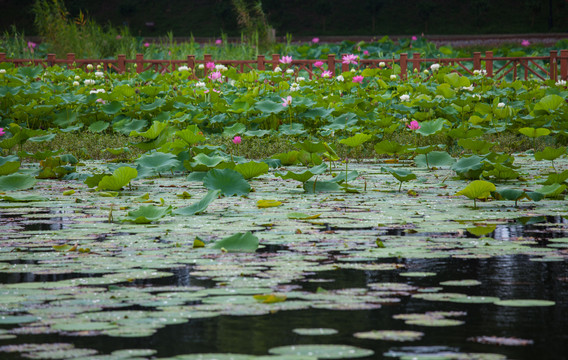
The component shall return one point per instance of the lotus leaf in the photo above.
(356, 140)
(147, 214)
(478, 189)
(304, 175)
(228, 181)
(251, 169)
(16, 182)
(158, 162)
(119, 178)
(239, 242)
(9, 164)
(199, 206)
(153, 132)
(401, 175)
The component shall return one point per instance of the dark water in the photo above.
(505, 277)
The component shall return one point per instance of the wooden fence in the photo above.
(553, 66)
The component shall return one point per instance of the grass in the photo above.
(86, 145)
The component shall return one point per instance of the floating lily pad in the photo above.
(468, 282)
(323, 351)
(390, 335)
(314, 331)
(17, 319)
(524, 302)
(417, 274)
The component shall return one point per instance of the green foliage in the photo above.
(16, 182)
(119, 178)
(147, 214)
(228, 181)
(478, 189)
(239, 242)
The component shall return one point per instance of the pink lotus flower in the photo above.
(414, 38)
(237, 140)
(350, 59)
(31, 44)
(218, 42)
(315, 40)
(2, 132)
(99, 100)
(287, 101)
(210, 65)
(326, 74)
(118, 37)
(146, 44)
(216, 75)
(286, 60)
(215, 90)
(358, 79)
(414, 125)
(366, 52)
(525, 43)
(318, 64)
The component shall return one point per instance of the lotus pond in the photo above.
(438, 243)
(409, 274)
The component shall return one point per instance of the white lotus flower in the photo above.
(501, 105)
(434, 67)
(405, 97)
(183, 68)
(393, 77)
(340, 78)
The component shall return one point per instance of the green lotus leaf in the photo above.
(9, 164)
(94, 180)
(23, 198)
(292, 129)
(481, 230)
(511, 194)
(112, 108)
(478, 189)
(552, 191)
(127, 127)
(390, 147)
(445, 90)
(476, 146)
(329, 351)
(356, 140)
(202, 161)
(16, 182)
(147, 214)
(289, 158)
(469, 167)
(158, 162)
(428, 128)
(534, 133)
(251, 169)
(228, 181)
(456, 80)
(390, 335)
(311, 147)
(556, 178)
(314, 331)
(312, 187)
(304, 175)
(340, 178)
(258, 133)
(535, 195)
(548, 104)
(235, 129)
(550, 153)
(400, 174)
(199, 206)
(119, 178)
(269, 107)
(524, 302)
(124, 90)
(154, 105)
(99, 126)
(239, 242)
(190, 136)
(153, 132)
(501, 172)
(434, 158)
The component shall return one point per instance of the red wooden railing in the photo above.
(553, 66)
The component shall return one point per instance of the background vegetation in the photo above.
(210, 18)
